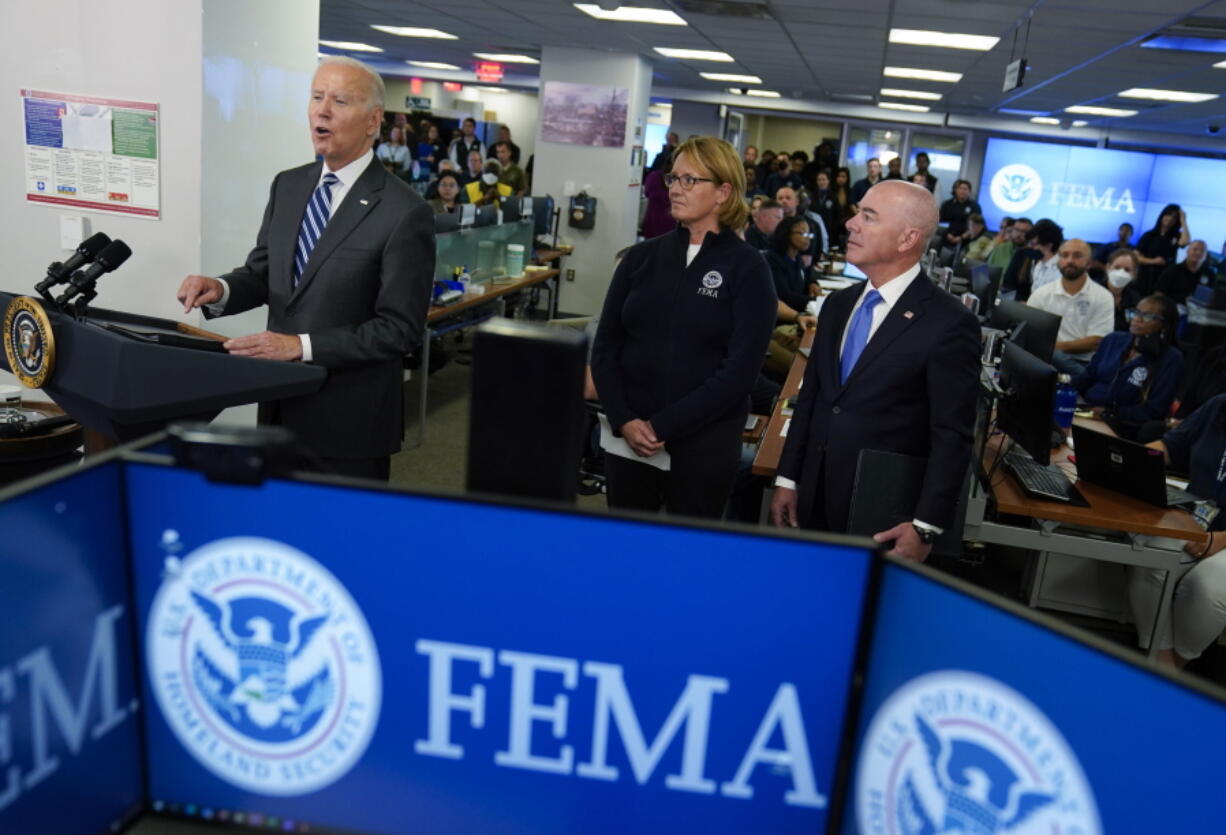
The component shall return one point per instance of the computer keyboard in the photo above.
(1043, 482)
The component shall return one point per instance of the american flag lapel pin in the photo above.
(907, 314)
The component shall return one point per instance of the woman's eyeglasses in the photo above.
(1133, 313)
(687, 182)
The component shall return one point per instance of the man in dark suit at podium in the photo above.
(345, 262)
(895, 367)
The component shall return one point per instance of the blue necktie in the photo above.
(313, 222)
(857, 335)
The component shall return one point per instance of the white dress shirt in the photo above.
(346, 177)
(890, 292)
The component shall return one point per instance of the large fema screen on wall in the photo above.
(1091, 191)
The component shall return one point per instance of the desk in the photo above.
(767, 460)
(1114, 528)
(441, 320)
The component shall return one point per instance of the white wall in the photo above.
(221, 138)
(606, 173)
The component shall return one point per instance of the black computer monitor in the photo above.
(512, 208)
(542, 214)
(486, 216)
(985, 283)
(1038, 336)
(446, 222)
(1025, 412)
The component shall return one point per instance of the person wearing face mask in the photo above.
(487, 189)
(1122, 268)
(1134, 375)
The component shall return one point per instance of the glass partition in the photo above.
(483, 250)
(945, 153)
(864, 143)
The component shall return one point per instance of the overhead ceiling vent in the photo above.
(857, 98)
(721, 8)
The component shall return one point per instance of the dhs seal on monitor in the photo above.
(263, 665)
(29, 341)
(954, 751)
(1016, 188)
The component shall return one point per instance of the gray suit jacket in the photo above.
(363, 300)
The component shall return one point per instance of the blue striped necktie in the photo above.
(319, 207)
(857, 336)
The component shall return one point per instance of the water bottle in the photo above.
(465, 279)
(1066, 401)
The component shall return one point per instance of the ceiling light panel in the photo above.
(506, 58)
(1092, 110)
(922, 95)
(350, 46)
(432, 65)
(922, 75)
(694, 54)
(632, 14)
(1044, 120)
(415, 32)
(897, 105)
(1166, 95)
(733, 77)
(947, 40)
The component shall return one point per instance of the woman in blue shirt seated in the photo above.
(1135, 374)
(795, 285)
(1197, 615)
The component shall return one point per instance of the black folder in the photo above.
(885, 492)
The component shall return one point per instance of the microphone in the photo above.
(82, 281)
(87, 250)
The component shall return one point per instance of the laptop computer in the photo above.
(1126, 467)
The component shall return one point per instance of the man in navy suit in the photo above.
(345, 262)
(895, 367)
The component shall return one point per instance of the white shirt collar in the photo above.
(1059, 288)
(350, 173)
(893, 289)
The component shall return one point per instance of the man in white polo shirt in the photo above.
(1086, 308)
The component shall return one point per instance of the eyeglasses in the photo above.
(802, 234)
(1133, 313)
(687, 182)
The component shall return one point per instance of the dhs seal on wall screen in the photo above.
(1016, 188)
(955, 751)
(262, 665)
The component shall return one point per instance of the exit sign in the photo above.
(488, 71)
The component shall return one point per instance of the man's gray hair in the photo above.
(375, 91)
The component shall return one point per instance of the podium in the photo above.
(126, 382)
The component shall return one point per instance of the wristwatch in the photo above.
(926, 535)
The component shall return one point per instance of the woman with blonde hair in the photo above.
(685, 326)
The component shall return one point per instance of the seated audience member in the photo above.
(893, 169)
(1134, 374)
(978, 241)
(758, 235)
(820, 232)
(1197, 614)
(448, 199)
(1086, 309)
(862, 186)
(393, 153)
(766, 165)
(919, 179)
(795, 284)
(787, 197)
(487, 189)
(750, 157)
(1009, 240)
(1159, 247)
(1179, 280)
(1122, 268)
(472, 173)
(751, 182)
(956, 211)
(1123, 241)
(1036, 263)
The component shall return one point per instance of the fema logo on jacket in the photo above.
(955, 751)
(262, 665)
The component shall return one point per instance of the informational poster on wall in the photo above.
(91, 153)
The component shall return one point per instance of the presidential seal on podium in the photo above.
(29, 341)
